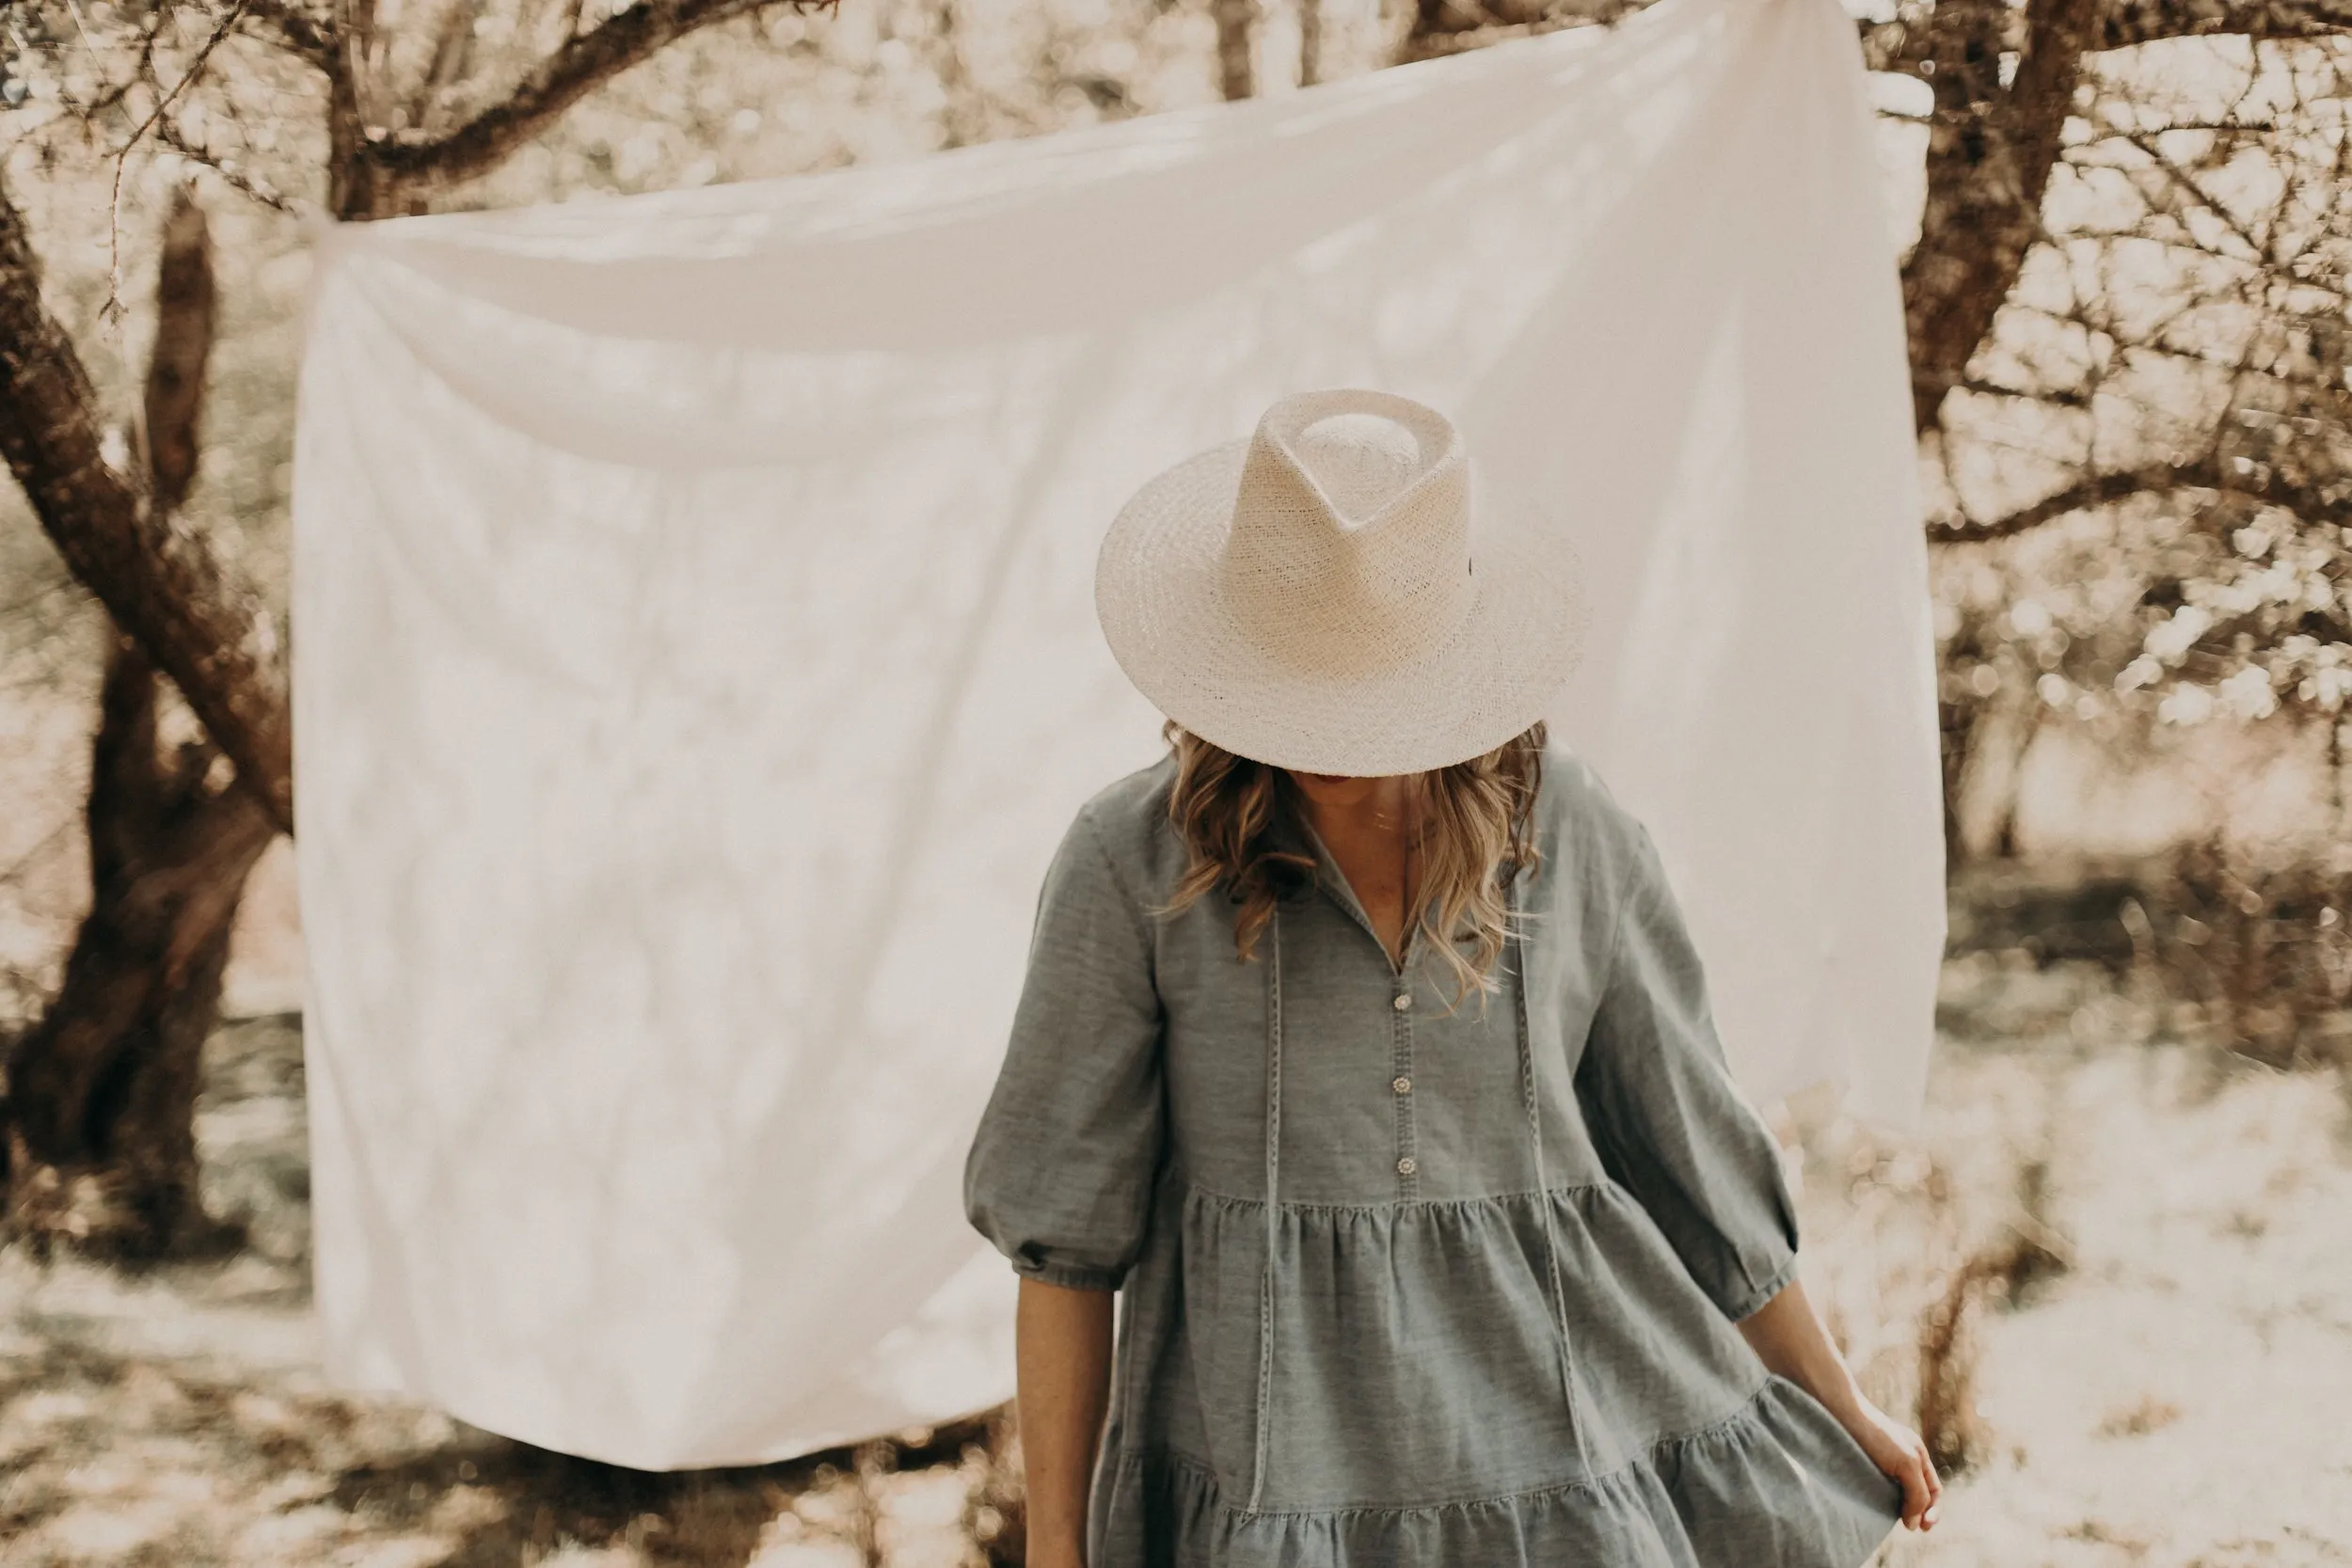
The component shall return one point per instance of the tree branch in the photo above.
(1892, 46)
(2124, 22)
(187, 311)
(561, 80)
(138, 132)
(160, 582)
(2056, 397)
(2182, 182)
(168, 132)
(295, 31)
(2201, 473)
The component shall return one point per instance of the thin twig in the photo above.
(2182, 182)
(81, 27)
(169, 134)
(140, 71)
(122, 156)
(41, 846)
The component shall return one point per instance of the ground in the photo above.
(2168, 1392)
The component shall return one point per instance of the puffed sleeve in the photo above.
(1061, 1172)
(1671, 1123)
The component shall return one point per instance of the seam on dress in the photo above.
(1740, 1415)
(1273, 1209)
(1149, 943)
(1127, 894)
(1393, 1205)
(1617, 935)
(1556, 1294)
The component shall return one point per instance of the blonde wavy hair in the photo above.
(1477, 836)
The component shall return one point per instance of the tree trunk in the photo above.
(102, 1091)
(1981, 793)
(1956, 726)
(100, 1114)
(160, 582)
(1235, 20)
(1989, 150)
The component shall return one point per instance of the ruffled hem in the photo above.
(1410, 1353)
(1777, 1484)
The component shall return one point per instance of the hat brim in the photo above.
(1158, 593)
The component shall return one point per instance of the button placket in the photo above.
(1401, 1085)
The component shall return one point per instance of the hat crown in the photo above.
(1349, 546)
(1359, 461)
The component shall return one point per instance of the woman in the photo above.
(1363, 1052)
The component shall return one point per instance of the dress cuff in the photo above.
(1076, 1276)
(1754, 1299)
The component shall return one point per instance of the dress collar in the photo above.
(1291, 830)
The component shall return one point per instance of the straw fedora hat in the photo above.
(1323, 595)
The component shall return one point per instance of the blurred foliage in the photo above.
(2250, 954)
(2148, 479)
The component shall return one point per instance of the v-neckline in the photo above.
(1342, 892)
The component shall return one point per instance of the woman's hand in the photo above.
(1902, 1453)
(1787, 1336)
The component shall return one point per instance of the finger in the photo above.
(1915, 1499)
(1935, 1488)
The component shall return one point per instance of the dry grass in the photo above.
(2117, 1273)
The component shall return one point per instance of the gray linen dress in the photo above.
(1400, 1284)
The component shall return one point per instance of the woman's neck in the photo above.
(1368, 825)
(1356, 809)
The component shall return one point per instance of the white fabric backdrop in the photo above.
(695, 665)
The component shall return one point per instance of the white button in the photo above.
(1405, 1166)
(1399, 1084)
(1404, 999)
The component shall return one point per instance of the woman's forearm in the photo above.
(1062, 1360)
(1787, 1336)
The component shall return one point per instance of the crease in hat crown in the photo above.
(1348, 548)
(1303, 596)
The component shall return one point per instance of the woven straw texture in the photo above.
(1331, 596)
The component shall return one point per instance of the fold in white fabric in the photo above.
(695, 665)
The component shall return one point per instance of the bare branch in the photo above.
(294, 30)
(138, 134)
(2186, 185)
(2058, 397)
(186, 302)
(168, 133)
(451, 43)
(2125, 23)
(562, 79)
(2202, 472)
(2098, 490)
(142, 69)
